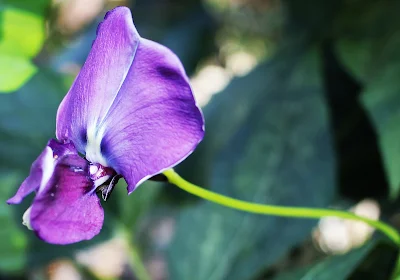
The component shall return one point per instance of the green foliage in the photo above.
(369, 48)
(27, 119)
(132, 209)
(272, 136)
(273, 147)
(340, 267)
(22, 33)
(13, 251)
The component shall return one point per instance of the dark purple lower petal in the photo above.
(67, 210)
(42, 169)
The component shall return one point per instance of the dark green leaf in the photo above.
(369, 49)
(364, 44)
(333, 268)
(267, 141)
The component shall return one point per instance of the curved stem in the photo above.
(281, 211)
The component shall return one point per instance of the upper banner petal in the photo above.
(154, 122)
(67, 210)
(131, 107)
(95, 88)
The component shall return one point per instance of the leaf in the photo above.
(130, 210)
(22, 35)
(27, 119)
(134, 207)
(382, 100)
(335, 267)
(369, 49)
(21, 71)
(13, 241)
(268, 141)
(362, 43)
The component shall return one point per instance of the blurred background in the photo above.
(302, 108)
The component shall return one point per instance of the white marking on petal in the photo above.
(48, 165)
(93, 146)
(122, 81)
(26, 218)
(93, 169)
(96, 125)
(101, 180)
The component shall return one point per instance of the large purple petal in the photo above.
(154, 122)
(99, 80)
(42, 169)
(131, 107)
(67, 210)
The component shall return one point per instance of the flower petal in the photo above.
(93, 91)
(154, 122)
(67, 210)
(131, 107)
(42, 169)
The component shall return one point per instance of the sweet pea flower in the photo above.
(130, 112)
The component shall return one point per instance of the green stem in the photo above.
(281, 211)
(135, 260)
(137, 265)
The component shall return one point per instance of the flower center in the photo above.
(100, 174)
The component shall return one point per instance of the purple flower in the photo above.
(130, 111)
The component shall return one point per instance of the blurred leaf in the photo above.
(13, 242)
(37, 7)
(135, 206)
(362, 44)
(129, 210)
(382, 100)
(11, 78)
(311, 18)
(27, 119)
(368, 47)
(185, 26)
(22, 33)
(337, 267)
(379, 263)
(268, 141)
(192, 39)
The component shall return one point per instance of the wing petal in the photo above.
(42, 169)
